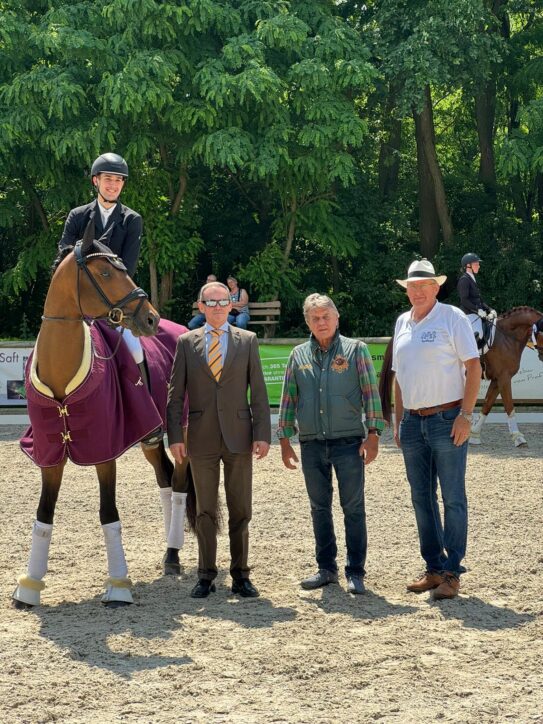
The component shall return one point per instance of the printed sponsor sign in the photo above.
(527, 383)
(12, 374)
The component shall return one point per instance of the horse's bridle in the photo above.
(115, 312)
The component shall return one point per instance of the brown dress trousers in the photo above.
(222, 427)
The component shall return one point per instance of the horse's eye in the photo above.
(105, 274)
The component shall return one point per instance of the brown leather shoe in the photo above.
(426, 582)
(448, 588)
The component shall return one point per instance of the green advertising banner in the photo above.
(274, 359)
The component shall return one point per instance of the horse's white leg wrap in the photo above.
(518, 437)
(176, 536)
(118, 583)
(39, 553)
(29, 586)
(475, 435)
(166, 502)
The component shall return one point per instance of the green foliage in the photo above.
(267, 275)
(255, 131)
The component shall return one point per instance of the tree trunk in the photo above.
(428, 218)
(166, 287)
(424, 122)
(154, 283)
(485, 112)
(165, 291)
(36, 203)
(389, 153)
(517, 187)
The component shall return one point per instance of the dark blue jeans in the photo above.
(318, 459)
(429, 455)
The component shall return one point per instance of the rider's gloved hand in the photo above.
(492, 314)
(481, 313)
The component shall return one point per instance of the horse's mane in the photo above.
(516, 310)
(63, 253)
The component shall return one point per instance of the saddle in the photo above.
(489, 332)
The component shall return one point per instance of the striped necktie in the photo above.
(215, 355)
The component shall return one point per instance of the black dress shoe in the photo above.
(202, 589)
(244, 588)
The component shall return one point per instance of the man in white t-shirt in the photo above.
(437, 368)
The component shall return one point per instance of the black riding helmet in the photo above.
(469, 258)
(110, 163)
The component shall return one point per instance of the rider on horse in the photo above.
(120, 228)
(471, 302)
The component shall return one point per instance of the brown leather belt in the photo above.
(434, 410)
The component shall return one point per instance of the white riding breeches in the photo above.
(133, 343)
(476, 324)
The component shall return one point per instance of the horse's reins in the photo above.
(507, 335)
(115, 313)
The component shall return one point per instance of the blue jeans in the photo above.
(318, 459)
(239, 320)
(429, 454)
(197, 321)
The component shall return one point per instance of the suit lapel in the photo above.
(97, 216)
(200, 350)
(233, 342)
(114, 218)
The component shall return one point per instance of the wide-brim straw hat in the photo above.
(420, 270)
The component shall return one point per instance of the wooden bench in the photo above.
(265, 314)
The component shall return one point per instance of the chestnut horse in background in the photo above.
(514, 329)
(91, 283)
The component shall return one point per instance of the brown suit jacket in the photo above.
(218, 409)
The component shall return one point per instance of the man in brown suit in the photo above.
(215, 366)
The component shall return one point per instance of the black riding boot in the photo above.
(154, 439)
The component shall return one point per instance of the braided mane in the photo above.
(516, 310)
(63, 253)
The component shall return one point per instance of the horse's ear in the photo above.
(88, 238)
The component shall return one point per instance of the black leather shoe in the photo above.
(202, 589)
(243, 587)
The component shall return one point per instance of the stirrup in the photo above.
(154, 439)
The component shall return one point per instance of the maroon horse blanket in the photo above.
(111, 410)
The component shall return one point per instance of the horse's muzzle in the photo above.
(145, 322)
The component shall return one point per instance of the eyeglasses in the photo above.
(214, 302)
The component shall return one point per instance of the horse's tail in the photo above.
(191, 505)
(385, 382)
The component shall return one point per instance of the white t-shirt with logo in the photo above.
(428, 356)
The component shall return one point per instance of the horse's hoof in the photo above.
(116, 604)
(172, 569)
(170, 562)
(21, 605)
(519, 440)
(474, 441)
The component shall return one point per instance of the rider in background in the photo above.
(471, 302)
(115, 225)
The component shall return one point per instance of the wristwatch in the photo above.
(466, 415)
(374, 431)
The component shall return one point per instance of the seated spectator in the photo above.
(199, 319)
(239, 316)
